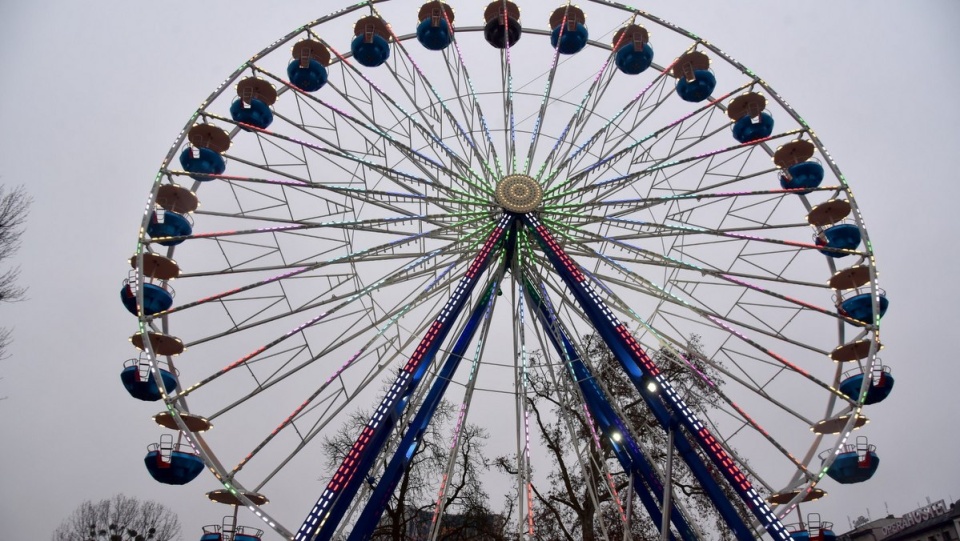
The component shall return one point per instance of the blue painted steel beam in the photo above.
(641, 370)
(370, 516)
(327, 513)
(628, 452)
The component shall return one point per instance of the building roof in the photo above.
(912, 523)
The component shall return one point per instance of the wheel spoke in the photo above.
(328, 511)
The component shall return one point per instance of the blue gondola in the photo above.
(633, 51)
(839, 237)
(155, 299)
(434, 35)
(435, 30)
(502, 27)
(177, 468)
(206, 162)
(804, 176)
(878, 390)
(855, 464)
(138, 382)
(172, 225)
(370, 53)
(236, 537)
(256, 113)
(569, 41)
(860, 307)
(804, 535)
(747, 128)
(699, 89)
(308, 69)
(242, 533)
(569, 35)
(370, 45)
(310, 78)
(813, 530)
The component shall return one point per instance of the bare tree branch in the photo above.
(14, 206)
(120, 518)
(465, 510)
(580, 498)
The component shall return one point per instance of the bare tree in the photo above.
(14, 205)
(579, 495)
(466, 514)
(120, 518)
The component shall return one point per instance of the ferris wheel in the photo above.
(398, 204)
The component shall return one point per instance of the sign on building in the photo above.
(916, 516)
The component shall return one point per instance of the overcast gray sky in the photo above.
(94, 93)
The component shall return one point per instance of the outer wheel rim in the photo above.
(715, 54)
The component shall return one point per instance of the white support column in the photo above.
(667, 489)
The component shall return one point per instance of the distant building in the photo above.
(933, 522)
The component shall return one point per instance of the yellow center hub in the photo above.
(519, 193)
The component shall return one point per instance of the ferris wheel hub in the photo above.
(519, 193)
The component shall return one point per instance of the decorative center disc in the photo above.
(519, 193)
